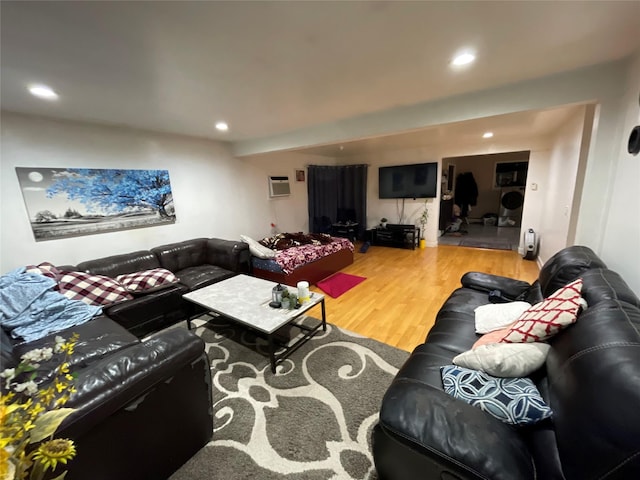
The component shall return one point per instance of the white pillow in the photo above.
(495, 316)
(505, 359)
(257, 249)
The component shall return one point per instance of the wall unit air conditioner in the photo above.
(279, 186)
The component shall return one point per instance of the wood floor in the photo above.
(404, 290)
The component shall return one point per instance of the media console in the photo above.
(395, 235)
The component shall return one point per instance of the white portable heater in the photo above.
(530, 245)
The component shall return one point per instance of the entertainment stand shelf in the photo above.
(395, 235)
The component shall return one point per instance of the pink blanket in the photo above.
(294, 257)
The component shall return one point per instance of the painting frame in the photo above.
(69, 202)
(300, 175)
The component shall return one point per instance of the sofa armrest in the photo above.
(115, 381)
(131, 407)
(229, 254)
(436, 436)
(487, 282)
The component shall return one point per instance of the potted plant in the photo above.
(424, 217)
(383, 222)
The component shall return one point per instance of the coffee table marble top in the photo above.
(246, 300)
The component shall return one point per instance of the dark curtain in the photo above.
(322, 188)
(337, 194)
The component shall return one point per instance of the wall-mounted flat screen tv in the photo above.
(419, 180)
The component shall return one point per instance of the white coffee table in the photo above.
(245, 300)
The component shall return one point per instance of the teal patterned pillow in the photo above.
(516, 401)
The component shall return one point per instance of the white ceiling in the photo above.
(269, 67)
(511, 127)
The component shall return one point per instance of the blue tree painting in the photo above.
(79, 201)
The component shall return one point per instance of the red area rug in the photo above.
(339, 283)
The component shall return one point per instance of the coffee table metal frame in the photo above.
(245, 299)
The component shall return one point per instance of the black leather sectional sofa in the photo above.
(591, 381)
(197, 263)
(143, 403)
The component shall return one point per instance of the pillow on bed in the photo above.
(257, 249)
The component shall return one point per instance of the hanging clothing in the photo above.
(466, 192)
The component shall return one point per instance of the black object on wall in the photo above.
(633, 147)
(337, 194)
(634, 141)
(408, 181)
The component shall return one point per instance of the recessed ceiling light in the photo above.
(487, 135)
(222, 126)
(463, 59)
(42, 91)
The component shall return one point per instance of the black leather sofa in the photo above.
(143, 404)
(591, 381)
(142, 407)
(197, 263)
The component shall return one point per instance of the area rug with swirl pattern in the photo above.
(310, 420)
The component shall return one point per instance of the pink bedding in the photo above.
(294, 257)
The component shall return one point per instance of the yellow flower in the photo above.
(7, 468)
(23, 422)
(37, 410)
(47, 395)
(27, 405)
(28, 425)
(62, 400)
(53, 451)
(67, 347)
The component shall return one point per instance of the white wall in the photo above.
(290, 213)
(391, 209)
(621, 244)
(377, 208)
(537, 175)
(215, 195)
(218, 195)
(557, 190)
(601, 84)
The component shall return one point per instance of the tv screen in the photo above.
(408, 181)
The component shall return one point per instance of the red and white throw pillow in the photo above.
(493, 337)
(147, 280)
(92, 289)
(543, 320)
(45, 268)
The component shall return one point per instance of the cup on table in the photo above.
(303, 292)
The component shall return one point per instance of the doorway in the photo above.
(483, 206)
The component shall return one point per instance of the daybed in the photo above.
(590, 380)
(308, 262)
